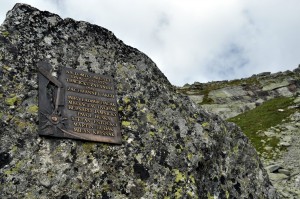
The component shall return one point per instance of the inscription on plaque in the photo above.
(79, 105)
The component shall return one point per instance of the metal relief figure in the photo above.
(50, 102)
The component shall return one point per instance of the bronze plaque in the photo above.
(78, 105)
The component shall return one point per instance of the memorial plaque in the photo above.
(78, 105)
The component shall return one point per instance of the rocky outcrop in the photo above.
(231, 98)
(170, 148)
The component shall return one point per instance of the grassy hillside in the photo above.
(262, 118)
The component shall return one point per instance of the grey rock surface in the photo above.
(284, 171)
(171, 148)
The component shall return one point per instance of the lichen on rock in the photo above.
(170, 149)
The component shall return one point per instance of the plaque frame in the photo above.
(78, 105)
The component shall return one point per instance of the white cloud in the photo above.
(196, 40)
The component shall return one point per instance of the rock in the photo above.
(228, 110)
(227, 92)
(291, 128)
(297, 181)
(269, 134)
(297, 100)
(294, 106)
(197, 84)
(284, 91)
(277, 177)
(284, 194)
(264, 74)
(276, 85)
(259, 102)
(186, 85)
(296, 116)
(268, 148)
(297, 70)
(273, 168)
(170, 148)
(287, 139)
(284, 144)
(192, 92)
(284, 171)
(196, 98)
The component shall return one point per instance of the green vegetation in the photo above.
(262, 118)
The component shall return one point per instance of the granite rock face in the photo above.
(170, 149)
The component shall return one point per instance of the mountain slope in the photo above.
(267, 108)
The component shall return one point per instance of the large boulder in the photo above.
(170, 147)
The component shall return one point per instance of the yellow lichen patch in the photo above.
(119, 87)
(12, 100)
(6, 68)
(140, 105)
(150, 118)
(191, 120)
(33, 109)
(20, 87)
(209, 196)
(205, 124)
(131, 66)
(236, 149)
(29, 195)
(126, 100)
(5, 33)
(190, 156)
(22, 124)
(172, 106)
(151, 133)
(139, 157)
(88, 147)
(128, 108)
(14, 149)
(192, 179)
(179, 150)
(125, 123)
(15, 169)
(125, 137)
(227, 194)
(192, 194)
(161, 129)
(178, 193)
(179, 176)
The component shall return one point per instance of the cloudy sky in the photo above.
(195, 40)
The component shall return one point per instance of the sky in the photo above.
(195, 40)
